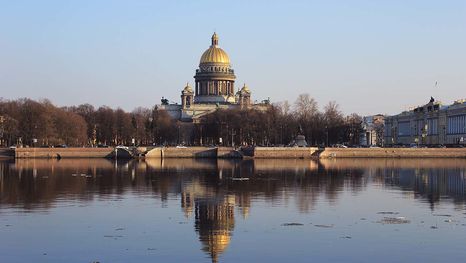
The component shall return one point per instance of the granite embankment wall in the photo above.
(228, 152)
(64, 153)
(393, 153)
(193, 152)
(285, 152)
(305, 152)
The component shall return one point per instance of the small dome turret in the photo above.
(187, 89)
(245, 89)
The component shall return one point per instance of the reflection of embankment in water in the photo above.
(186, 163)
(255, 164)
(412, 163)
(305, 164)
(56, 166)
(258, 164)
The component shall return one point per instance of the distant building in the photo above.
(372, 130)
(214, 88)
(431, 124)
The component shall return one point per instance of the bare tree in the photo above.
(305, 106)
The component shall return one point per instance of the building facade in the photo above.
(372, 130)
(431, 124)
(214, 88)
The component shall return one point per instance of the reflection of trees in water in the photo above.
(34, 184)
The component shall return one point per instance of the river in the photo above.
(208, 210)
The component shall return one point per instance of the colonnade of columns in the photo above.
(215, 87)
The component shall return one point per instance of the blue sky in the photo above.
(369, 56)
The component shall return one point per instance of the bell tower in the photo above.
(187, 97)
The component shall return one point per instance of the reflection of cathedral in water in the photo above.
(214, 211)
(214, 222)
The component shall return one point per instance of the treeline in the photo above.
(40, 123)
(281, 123)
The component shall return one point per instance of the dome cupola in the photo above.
(214, 54)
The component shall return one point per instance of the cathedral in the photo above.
(214, 88)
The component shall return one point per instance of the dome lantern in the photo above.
(214, 39)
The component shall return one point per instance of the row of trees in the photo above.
(25, 120)
(281, 123)
(38, 123)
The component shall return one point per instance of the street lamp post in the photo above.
(281, 134)
(178, 140)
(326, 133)
(2, 119)
(232, 138)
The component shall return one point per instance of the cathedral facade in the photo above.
(214, 88)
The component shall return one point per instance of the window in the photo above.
(456, 124)
(404, 129)
(388, 130)
(432, 126)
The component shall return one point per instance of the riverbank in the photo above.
(229, 152)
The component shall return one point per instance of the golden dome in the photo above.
(216, 243)
(215, 54)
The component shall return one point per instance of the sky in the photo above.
(369, 56)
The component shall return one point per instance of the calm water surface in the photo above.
(184, 210)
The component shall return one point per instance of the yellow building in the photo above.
(430, 124)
